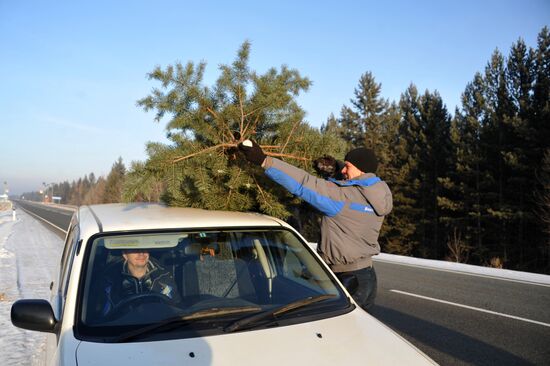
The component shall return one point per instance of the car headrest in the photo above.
(192, 249)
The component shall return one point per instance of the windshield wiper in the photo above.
(273, 313)
(181, 320)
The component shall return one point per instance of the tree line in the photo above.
(471, 186)
(87, 190)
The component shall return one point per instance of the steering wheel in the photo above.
(138, 299)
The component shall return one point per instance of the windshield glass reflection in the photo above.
(134, 280)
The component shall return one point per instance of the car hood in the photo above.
(355, 338)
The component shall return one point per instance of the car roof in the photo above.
(152, 216)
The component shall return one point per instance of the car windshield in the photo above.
(134, 281)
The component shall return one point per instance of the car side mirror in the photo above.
(33, 315)
(350, 283)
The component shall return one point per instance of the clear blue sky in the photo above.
(72, 71)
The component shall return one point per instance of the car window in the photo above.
(67, 259)
(136, 279)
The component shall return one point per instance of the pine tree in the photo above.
(542, 196)
(373, 122)
(142, 186)
(468, 177)
(76, 192)
(435, 160)
(496, 139)
(201, 167)
(420, 195)
(350, 127)
(331, 126)
(539, 121)
(114, 183)
(520, 76)
(403, 235)
(96, 192)
(541, 92)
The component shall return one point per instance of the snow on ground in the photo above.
(469, 269)
(29, 254)
(466, 268)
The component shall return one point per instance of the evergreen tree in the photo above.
(350, 128)
(142, 186)
(76, 192)
(541, 93)
(65, 192)
(372, 111)
(435, 158)
(373, 122)
(519, 75)
(420, 192)
(540, 122)
(403, 234)
(331, 126)
(200, 167)
(468, 177)
(114, 183)
(542, 196)
(495, 139)
(96, 192)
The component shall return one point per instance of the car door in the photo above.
(60, 285)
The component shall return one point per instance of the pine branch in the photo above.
(220, 119)
(242, 110)
(202, 151)
(243, 133)
(268, 153)
(290, 134)
(261, 192)
(231, 190)
(279, 155)
(253, 111)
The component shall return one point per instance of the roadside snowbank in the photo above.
(29, 253)
(505, 274)
(465, 268)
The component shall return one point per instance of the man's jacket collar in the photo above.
(364, 180)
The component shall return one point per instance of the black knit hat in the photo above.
(364, 159)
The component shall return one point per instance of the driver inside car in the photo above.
(137, 274)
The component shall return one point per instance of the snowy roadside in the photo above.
(29, 253)
(467, 269)
(505, 274)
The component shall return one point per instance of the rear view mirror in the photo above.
(33, 315)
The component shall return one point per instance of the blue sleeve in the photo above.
(323, 203)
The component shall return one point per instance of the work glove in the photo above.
(328, 167)
(252, 152)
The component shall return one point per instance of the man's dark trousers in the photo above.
(366, 289)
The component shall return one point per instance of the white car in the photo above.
(144, 284)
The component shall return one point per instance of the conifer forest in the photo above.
(470, 185)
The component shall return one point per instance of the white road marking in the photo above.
(471, 308)
(46, 221)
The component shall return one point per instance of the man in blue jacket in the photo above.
(353, 211)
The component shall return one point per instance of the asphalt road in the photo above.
(53, 217)
(505, 322)
(456, 319)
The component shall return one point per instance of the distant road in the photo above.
(455, 318)
(56, 218)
